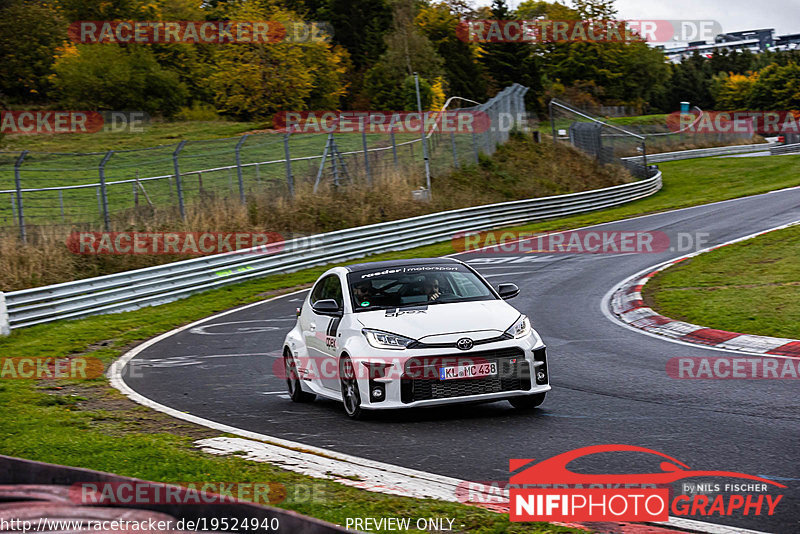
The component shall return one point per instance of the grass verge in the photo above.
(89, 424)
(752, 287)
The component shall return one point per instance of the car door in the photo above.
(321, 334)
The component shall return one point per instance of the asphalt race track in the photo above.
(609, 383)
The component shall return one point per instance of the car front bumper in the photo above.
(413, 377)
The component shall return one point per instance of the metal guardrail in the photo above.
(703, 153)
(785, 149)
(165, 283)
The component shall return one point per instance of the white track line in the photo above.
(605, 303)
(325, 463)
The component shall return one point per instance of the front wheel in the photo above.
(350, 395)
(528, 402)
(296, 392)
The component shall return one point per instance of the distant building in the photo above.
(755, 41)
(765, 38)
(788, 42)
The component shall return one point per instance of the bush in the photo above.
(109, 77)
(199, 111)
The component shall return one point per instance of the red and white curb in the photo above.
(627, 306)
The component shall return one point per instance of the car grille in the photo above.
(513, 374)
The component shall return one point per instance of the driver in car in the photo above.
(363, 292)
(432, 288)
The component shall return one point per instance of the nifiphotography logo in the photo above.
(549, 491)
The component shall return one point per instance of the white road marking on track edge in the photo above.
(326, 463)
(420, 484)
(605, 303)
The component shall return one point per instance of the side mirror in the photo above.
(327, 307)
(507, 291)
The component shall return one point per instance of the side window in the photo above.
(316, 294)
(333, 289)
(328, 288)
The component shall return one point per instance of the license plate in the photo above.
(475, 370)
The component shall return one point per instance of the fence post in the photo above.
(61, 203)
(5, 327)
(394, 141)
(178, 185)
(366, 152)
(239, 167)
(103, 192)
(455, 152)
(552, 121)
(287, 155)
(424, 139)
(475, 147)
(644, 159)
(18, 185)
(324, 159)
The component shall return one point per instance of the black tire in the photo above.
(296, 392)
(528, 402)
(351, 398)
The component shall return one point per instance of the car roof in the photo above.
(371, 266)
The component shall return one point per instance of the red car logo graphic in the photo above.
(554, 470)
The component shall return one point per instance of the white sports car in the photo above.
(407, 333)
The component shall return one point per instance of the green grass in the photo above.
(50, 421)
(110, 433)
(153, 134)
(658, 118)
(752, 287)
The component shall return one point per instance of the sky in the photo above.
(733, 15)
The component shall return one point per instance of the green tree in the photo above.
(509, 63)
(408, 51)
(109, 10)
(360, 26)
(256, 80)
(732, 91)
(690, 82)
(531, 9)
(115, 77)
(464, 74)
(595, 9)
(29, 36)
(777, 88)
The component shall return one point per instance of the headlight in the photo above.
(521, 328)
(385, 340)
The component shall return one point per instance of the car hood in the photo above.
(482, 319)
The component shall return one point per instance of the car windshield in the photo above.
(415, 285)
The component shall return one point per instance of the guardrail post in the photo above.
(288, 157)
(18, 185)
(552, 121)
(103, 192)
(239, 167)
(178, 184)
(5, 327)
